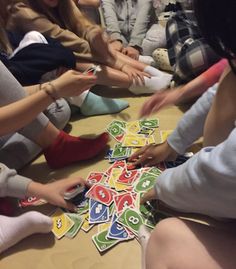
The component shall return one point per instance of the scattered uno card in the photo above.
(131, 219)
(128, 177)
(98, 212)
(134, 141)
(117, 130)
(102, 242)
(86, 227)
(118, 164)
(165, 134)
(31, 201)
(94, 177)
(116, 230)
(78, 221)
(101, 194)
(123, 201)
(145, 183)
(61, 223)
(154, 123)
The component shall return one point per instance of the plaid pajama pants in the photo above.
(188, 51)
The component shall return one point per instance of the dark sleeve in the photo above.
(29, 64)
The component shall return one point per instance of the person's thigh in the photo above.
(182, 244)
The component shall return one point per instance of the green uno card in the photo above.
(116, 130)
(145, 183)
(149, 123)
(78, 220)
(119, 151)
(102, 242)
(155, 171)
(131, 219)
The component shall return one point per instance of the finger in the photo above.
(137, 80)
(136, 154)
(148, 196)
(141, 77)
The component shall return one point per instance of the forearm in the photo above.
(24, 110)
(205, 184)
(200, 84)
(31, 89)
(190, 127)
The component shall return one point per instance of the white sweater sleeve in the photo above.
(205, 184)
(190, 127)
(12, 184)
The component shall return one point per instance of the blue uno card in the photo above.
(117, 231)
(98, 212)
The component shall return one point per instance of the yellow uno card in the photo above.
(165, 134)
(115, 173)
(61, 223)
(120, 186)
(133, 127)
(134, 141)
(103, 226)
(86, 225)
(151, 140)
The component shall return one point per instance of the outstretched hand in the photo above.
(54, 192)
(153, 154)
(160, 100)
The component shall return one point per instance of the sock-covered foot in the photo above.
(152, 85)
(146, 59)
(68, 149)
(97, 105)
(14, 229)
(144, 235)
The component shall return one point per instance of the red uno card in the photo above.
(117, 164)
(31, 201)
(101, 194)
(94, 177)
(122, 201)
(128, 177)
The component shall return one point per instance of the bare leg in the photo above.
(178, 244)
(47, 136)
(222, 115)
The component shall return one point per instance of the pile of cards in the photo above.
(130, 136)
(112, 203)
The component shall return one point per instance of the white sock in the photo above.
(144, 235)
(14, 229)
(78, 100)
(146, 59)
(152, 85)
(153, 71)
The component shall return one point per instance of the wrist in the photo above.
(50, 89)
(35, 189)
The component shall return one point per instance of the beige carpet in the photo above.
(46, 252)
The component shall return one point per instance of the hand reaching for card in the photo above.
(148, 196)
(152, 155)
(54, 192)
(160, 100)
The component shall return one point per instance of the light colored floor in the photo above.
(43, 251)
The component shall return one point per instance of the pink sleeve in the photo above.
(212, 75)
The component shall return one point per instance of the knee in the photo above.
(166, 230)
(59, 114)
